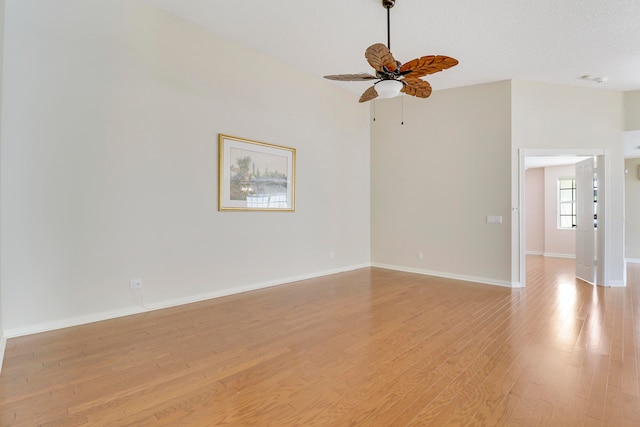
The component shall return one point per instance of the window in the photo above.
(567, 203)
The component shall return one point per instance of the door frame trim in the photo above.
(518, 229)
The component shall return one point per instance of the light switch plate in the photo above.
(494, 219)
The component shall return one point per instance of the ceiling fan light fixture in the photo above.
(388, 88)
(393, 76)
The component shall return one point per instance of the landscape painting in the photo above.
(255, 175)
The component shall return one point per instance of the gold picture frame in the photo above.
(255, 176)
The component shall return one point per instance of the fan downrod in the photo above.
(388, 4)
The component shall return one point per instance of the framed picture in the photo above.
(255, 176)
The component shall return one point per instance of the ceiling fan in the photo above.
(392, 76)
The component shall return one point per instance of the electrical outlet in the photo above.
(420, 255)
(332, 254)
(135, 284)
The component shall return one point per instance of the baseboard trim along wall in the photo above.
(97, 317)
(554, 255)
(617, 284)
(75, 321)
(482, 280)
(3, 346)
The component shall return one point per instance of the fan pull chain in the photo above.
(402, 110)
(374, 110)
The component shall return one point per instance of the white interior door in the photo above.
(585, 232)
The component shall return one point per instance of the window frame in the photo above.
(571, 202)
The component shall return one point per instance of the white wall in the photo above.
(632, 195)
(632, 209)
(557, 242)
(3, 338)
(541, 203)
(436, 178)
(562, 117)
(535, 211)
(632, 110)
(111, 112)
(109, 172)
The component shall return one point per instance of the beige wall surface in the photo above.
(109, 164)
(436, 178)
(535, 208)
(557, 242)
(632, 209)
(569, 118)
(110, 116)
(632, 191)
(632, 110)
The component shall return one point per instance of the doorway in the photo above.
(542, 157)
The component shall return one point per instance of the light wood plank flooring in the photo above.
(370, 347)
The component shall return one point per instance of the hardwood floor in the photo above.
(370, 347)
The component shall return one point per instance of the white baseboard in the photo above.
(72, 321)
(534, 253)
(632, 261)
(554, 255)
(3, 347)
(617, 284)
(106, 315)
(483, 280)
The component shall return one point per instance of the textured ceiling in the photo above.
(553, 41)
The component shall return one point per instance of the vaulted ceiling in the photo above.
(553, 41)
(549, 41)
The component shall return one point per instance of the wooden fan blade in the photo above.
(369, 94)
(427, 65)
(416, 87)
(379, 57)
(351, 77)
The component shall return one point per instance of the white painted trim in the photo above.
(3, 347)
(628, 261)
(80, 320)
(555, 255)
(617, 284)
(254, 287)
(564, 151)
(518, 250)
(535, 253)
(518, 227)
(72, 321)
(473, 279)
(603, 235)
